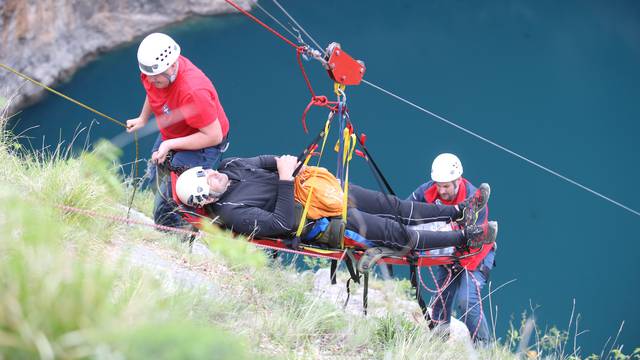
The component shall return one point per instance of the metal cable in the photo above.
(299, 26)
(503, 148)
(274, 19)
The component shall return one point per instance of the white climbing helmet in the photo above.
(446, 167)
(192, 187)
(156, 53)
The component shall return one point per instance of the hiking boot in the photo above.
(478, 235)
(471, 207)
(371, 257)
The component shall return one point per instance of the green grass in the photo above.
(60, 296)
(68, 289)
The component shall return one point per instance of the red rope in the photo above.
(445, 284)
(123, 219)
(94, 214)
(300, 49)
(321, 101)
(477, 286)
(246, 13)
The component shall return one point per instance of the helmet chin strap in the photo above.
(171, 78)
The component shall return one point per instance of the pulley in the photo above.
(342, 68)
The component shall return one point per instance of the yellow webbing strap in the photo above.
(349, 145)
(301, 224)
(319, 251)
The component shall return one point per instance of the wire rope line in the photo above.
(261, 23)
(503, 148)
(299, 26)
(451, 123)
(275, 19)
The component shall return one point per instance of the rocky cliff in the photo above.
(49, 39)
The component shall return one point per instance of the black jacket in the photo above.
(256, 202)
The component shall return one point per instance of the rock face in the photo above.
(49, 39)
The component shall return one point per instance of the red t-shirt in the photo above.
(188, 104)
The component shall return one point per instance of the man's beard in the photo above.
(446, 197)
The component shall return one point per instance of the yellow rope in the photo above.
(6, 67)
(327, 125)
(135, 135)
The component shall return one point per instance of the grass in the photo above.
(59, 296)
(68, 288)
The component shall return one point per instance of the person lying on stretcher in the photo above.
(257, 196)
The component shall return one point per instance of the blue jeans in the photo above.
(464, 291)
(164, 208)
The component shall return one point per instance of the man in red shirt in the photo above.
(193, 124)
(458, 286)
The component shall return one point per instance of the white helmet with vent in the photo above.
(445, 168)
(156, 53)
(192, 187)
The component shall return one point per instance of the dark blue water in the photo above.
(558, 82)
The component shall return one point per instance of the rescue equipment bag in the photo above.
(326, 196)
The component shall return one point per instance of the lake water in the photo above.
(558, 82)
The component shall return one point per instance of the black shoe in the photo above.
(471, 207)
(478, 235)
(371, 257)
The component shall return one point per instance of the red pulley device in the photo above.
(342, 68)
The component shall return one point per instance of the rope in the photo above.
(127, 220)
(424, 285)
(135, 134)
(121, 219)
(114, 218)
(8, 68)
(350, 145)
(135, 181)
(439, 290)
(451, 123)
(308, 201)
(442, 317)
(503, 148)
(299, 51)
(273, 18)
(477, 287)
(246, 13)
(299, 26)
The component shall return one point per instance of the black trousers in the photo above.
(372, 214)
